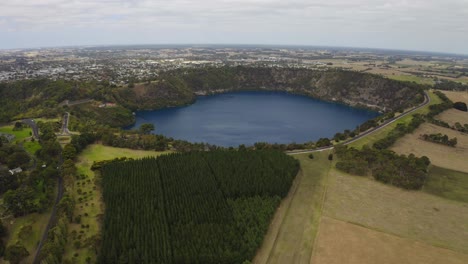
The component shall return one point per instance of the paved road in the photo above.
(427, 100)
(72, 103)
(33, 125)
(53, 215)
(66, 119)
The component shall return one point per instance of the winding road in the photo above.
(33, 125)
(427, 100)
(53, 214)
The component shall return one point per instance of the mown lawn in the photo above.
(20, 135)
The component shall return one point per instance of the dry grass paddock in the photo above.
(454, 158)
(345, 243)
(411, 214)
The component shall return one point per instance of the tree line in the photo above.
(440, 139)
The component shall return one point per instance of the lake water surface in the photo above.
(236, 118)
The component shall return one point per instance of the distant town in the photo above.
(120, 65)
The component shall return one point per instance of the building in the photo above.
(15, 170)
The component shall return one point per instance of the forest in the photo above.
(196, 207)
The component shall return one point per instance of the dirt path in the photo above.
(292, 232)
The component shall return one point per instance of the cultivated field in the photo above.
(410, 214)
(91, 208)
(457, 96)
(447, 183)
(340, 242)
(440, 155)
(293, 229)
(452, 116)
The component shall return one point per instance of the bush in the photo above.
(311, 156)
(460, 106)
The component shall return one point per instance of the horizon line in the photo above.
(238, 44)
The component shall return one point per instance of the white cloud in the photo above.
(247, 21)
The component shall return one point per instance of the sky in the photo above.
(425, 25)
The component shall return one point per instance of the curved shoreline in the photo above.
(427, 100)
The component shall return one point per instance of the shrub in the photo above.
(460, 106)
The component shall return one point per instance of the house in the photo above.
(15, 170)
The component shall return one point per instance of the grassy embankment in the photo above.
(381, 133)
(89, 206)
(292, 232)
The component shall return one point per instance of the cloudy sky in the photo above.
(429, 25)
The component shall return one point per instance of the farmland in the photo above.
(457, 96)
(440, 155)
(452, 116)
(447, 183)
(344, 242)
(410, 214)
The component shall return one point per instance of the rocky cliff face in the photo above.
(352, 88)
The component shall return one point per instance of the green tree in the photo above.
(69, 152)
(15, 253)
(460, 106)
(17, 159)
(146, 128)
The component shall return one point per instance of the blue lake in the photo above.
(236, 118)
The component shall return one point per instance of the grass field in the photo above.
(91, 208)
(457, 96)
(410, 214)
(292, 232)
(452, 116)
(370, 139)
(440, 155)
(447, 183)
(20, 135)
(341, 242)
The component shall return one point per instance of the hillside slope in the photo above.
(351, 88)
(41, 98)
